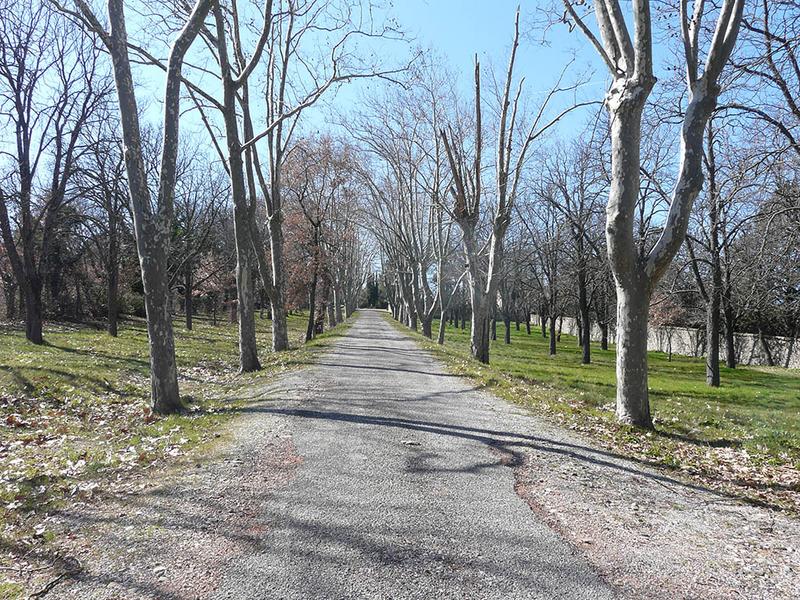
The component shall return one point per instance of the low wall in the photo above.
(689, 341)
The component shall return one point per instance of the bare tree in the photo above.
(101, 183)
(50, 87)
(485, 260)
(152, 221)
(636, 269)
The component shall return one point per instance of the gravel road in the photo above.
(400, 494)
(375, 474)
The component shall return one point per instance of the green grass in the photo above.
(751, 421)
(75, 412)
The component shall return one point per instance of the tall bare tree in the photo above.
(629, 58)
(50, 88)
(485, 259)
(152, 221)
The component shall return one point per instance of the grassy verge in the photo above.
(742, 438)
(75, 415)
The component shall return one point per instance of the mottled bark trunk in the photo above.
(332, 322)
(337, 303)
(427, 327)
(245, 309)
(163, 371)
(245, 293)
(633, 406)
(442, 327)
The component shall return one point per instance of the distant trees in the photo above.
(51, 87)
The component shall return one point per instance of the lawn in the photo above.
(75, 414)
(744, 435)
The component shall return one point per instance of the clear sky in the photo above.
(462, 28)
(457, 30)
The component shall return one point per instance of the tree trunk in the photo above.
(712, 336)
(280, 328)
(337, 303)
(604, 336)
(765, 347)
(507, 323)
(112, 283)
(188, 307)
(163, 372)
(494, 328)
(427, 327)
(245, 312)
(586, 326)
(553, 335)
(312, 305)
(331, 316)
(479, 334)
(33, 312)
(442, 326)
(633, 404)
(730, 335)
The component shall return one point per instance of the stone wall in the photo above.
(689, 341)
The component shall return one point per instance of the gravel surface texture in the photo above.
(375, 474)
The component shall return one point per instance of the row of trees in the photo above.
(605, 224)
(251, 210)
(87, 179)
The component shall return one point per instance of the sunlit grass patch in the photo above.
(75, 412)
(744, 435)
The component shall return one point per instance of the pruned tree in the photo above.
(485, 257)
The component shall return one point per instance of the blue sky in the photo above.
(457, 30)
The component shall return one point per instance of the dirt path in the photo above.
(374, 474)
